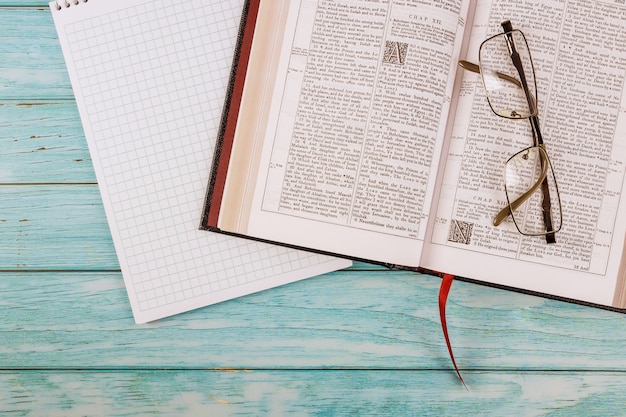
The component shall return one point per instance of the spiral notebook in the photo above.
(150, 78)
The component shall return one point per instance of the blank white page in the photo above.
(150, 78)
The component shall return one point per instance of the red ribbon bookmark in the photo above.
(444, 290)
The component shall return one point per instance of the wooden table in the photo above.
(364, 341)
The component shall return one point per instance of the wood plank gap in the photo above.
(312, 369)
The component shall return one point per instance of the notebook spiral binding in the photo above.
(67, 3)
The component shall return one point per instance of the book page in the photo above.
(354, 131)
(150, 81)
(579, 54)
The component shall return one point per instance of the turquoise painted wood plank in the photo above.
(31, 62)
(364, 320)
(311, 393)
(54, 227)
(43, 142)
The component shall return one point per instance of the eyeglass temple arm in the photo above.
(470, 66)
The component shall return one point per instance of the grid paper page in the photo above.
(150, 80)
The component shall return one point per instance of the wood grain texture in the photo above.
(365, 341)
(307, 393)
(54, 227)
(31, 62)
(43, 142)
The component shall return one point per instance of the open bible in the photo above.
(352, 130)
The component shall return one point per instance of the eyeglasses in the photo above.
(508, 77)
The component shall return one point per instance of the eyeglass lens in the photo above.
(502, 81)
(524, 174)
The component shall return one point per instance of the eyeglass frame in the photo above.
(535, 129)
